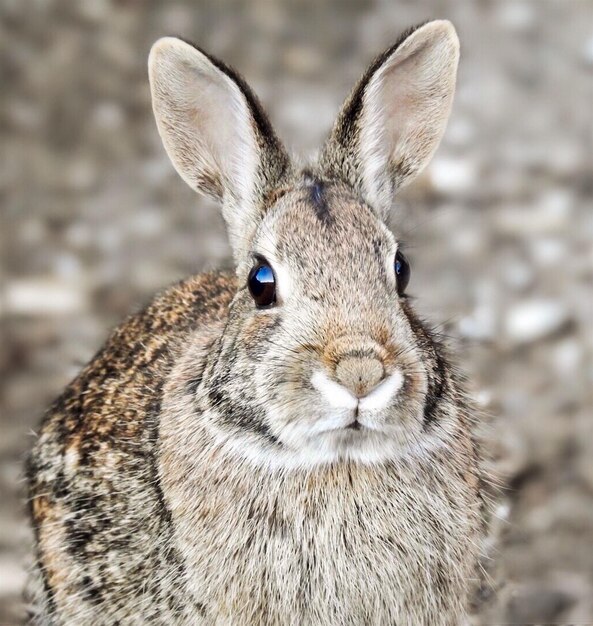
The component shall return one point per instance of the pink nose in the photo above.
(360, 375)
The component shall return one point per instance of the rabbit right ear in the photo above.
(215, 133)
(394, 119)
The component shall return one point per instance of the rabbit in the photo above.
(286, 443)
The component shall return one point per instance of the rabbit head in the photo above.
(321, 357)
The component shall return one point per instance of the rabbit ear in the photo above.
(394, 119)
(215, 133)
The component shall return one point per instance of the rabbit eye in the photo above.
(402, 272)
(262, 284)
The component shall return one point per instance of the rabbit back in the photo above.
(105, 549)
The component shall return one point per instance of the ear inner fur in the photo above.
(393, 120)
(216, 134)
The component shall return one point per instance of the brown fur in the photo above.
(96, 442)
(197, 471)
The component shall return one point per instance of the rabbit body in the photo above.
(287, 444)
(136, 523)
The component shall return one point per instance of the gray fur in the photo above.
(187, 475)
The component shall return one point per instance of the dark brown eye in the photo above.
(402, 272)
(262, 285)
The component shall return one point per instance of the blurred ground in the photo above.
(500, 229)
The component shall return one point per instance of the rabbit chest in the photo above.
(341, 544)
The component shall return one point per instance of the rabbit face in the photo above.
(321, 357)
(333, 368)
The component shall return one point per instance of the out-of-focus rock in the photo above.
(96, 11)
(588, 51)
(43, 297)
(517, 274)
(469, 240)
(453, 175)
(536, 604)
(461, 132)
(67, 267)
(108, 116)
(568, 358)
(585, 470)
(566, 158)
(483, 398)
(516, 15)
(549, 215)
(78, 235)
(81, 175)
(510, 455)
(12, 578)
(548, 251)
(177, 18)
(302, 59)
(533, 320)
(158, 170)
(480, 325)
(32, 231)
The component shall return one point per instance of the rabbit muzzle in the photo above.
(359, 375)
(361, 378)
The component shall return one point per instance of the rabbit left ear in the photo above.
(215, 133)
(394, 119)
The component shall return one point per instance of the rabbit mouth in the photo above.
(355, 425)
(351, 421)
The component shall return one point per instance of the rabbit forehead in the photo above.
(323, 230)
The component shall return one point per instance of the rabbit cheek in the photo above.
(435, 383)
(257, 332)
(234, 406)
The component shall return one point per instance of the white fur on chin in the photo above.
(304, 448)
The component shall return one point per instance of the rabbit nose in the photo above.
(360, 375)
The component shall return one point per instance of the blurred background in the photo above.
(499, 231)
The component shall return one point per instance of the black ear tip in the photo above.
(409, 31)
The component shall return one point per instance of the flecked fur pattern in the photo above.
(197, 471)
